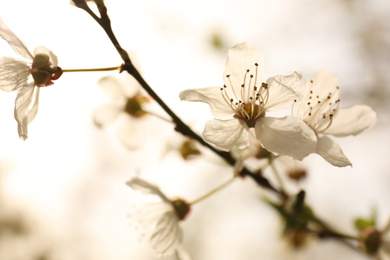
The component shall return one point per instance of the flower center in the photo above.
(42, 71)
(134, 105)
(317, 110)
(247, 101)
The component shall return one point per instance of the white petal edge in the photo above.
(167, 234)
(241, 57)
(283, 90)
(145, 187)
(14, 74)
(182, 253)
(212, 96)
(118, 89)
(323, 82)
(107, 114)
(226, 134)
(23, 101)
(16, 44)
(130, 132)
(286, 136)
(352, 120)
(34, 108)
(331, 152)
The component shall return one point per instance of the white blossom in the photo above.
(243, 101)
(320, 110)
(158, 219)
(25, 76)
(125, 108)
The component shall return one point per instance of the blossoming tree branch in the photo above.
(245, 129)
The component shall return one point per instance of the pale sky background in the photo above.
(67, 180)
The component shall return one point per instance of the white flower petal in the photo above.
(34, 108)
(144, 215)
(351, 120)
(182, 254)
(226, 134)
(240, 58)
(283, 90)
(325, 81)
(167, 234)
(116, 89)
(145, 187)
(130, 132)
(23, 102)
(107, 114)
(332, 152)
(43, 50)
(286, 136)
(14, 74)
(212, 96)
(15, 43)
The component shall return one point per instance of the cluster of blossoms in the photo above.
(26, 76)
(240, 109)
(241, 123)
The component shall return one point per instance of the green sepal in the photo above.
(361, 223)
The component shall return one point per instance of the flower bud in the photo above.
(371, 240)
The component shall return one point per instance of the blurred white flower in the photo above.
(26, 76)
(125, 108)
(186, 147)
(243, 102)
(256, 154)
(159, 218)
(294, 169)
(319, 110)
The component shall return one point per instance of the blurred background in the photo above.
(63, 193)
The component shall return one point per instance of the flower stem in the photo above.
(277, 175)
(157, 115)
(94, 69)
(220, 187)
(330, 232)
